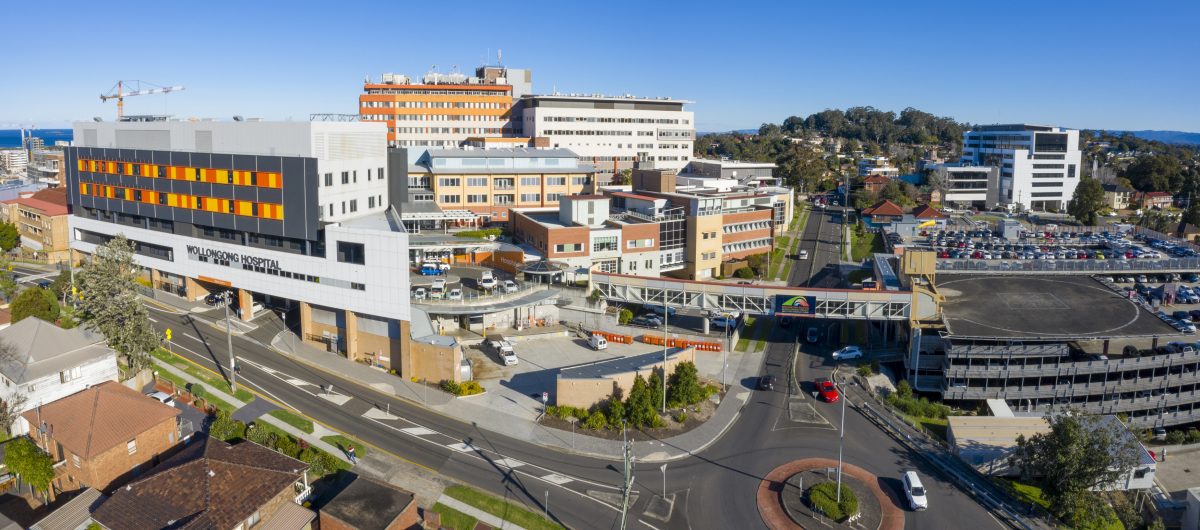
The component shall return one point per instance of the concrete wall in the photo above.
(434, 363)
(587, 392)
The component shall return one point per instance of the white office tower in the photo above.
(1039, 165)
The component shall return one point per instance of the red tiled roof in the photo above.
(45, 207)
(926, 211)
(92, 421)
(876, 179)
(1155, 194)
(884, 207)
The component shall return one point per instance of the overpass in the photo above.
(1068, 266)
(717, 297)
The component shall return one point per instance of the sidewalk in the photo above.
(486, 418)
(312, 439)
(481, 515)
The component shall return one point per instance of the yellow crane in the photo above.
(118, 92)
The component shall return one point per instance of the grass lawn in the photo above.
(454, 519)
(501, 508)
(207, 377)
(863, 245)
(935, 426)
(343, 442)
(747, 332)
(1026, 493)
(292, 419)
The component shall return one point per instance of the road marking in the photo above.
(556, 479)
(418, 431)
(337, 399)
(511, 463)
(294, 382)
(379, 414)
(152, 319)
(461, 447)
(201, 341)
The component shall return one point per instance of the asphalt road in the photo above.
(822, 239)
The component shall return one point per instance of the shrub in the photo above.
(470, 388)
(744, 273)
(480, 234)
(1176, 437)
(681, 417)
(823, 498)
(255, 433)
(903, 390)
(624, 316)
(287, 446)
(1193, 435)
(196, 390)
(865, 370)
(596, 421)
(451, 387)
(226, 428)
(319, 463)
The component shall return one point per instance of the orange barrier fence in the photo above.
(614, 337)
(657, 340)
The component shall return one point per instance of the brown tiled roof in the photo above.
(92, 421)
(926, 211)
(884, 207)
(210, 484)
(876, 179)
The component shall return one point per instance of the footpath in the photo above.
(271, 334)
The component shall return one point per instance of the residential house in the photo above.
(1117, 196)
(361, 503)
(41, 220)
(48, 363)
(875, 183)
(102, 435)
(212, 484)
(74, 514)
(883, 212)
(1188, 232)
(1155, 199)
(925, 214)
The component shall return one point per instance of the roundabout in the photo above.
(783, 497)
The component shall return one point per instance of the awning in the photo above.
(545, 267)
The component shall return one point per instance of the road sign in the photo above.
(168, 333)
(545, 397)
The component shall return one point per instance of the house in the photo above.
(1188, 232)
(73, 515)
(932, 197)
(924, 214)
(1117, 196)
(874, 183)
(41, 220)
(47, 363)
(102, 435)
(361, 503)
(212, 484)
(883, 212)
(1154, 199)
(986, 442)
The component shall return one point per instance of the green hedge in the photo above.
(823, 498)
(918, 407)
(480, 234)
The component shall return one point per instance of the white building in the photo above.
(293, 215)
(612, 133)
(1039, 165)
(970, 186)
(50, 363)
(877, 165)
(14, 161)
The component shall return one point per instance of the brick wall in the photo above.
(587, 392)
(115, 466)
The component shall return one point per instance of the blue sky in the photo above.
(1082, 64)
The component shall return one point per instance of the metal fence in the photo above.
(1051, 266)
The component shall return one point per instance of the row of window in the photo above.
(433, 105)
(744, 227)
(436, 92)
(746, 245)
(351, 177)
(262, 179)
(432, 117)
(261, 210)
(590, 119)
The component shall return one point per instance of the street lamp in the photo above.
(227, 298)
(841, 437)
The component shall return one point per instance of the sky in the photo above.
(1097, 64)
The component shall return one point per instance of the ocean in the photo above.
(12, 137)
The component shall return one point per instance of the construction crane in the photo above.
(118, 92)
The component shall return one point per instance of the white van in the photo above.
(438, 290)
(597, 342)
(915, 491)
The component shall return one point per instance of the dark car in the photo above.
(213, 298)
(44, 284)
(785, 322)
(646, 321)
(766, 382)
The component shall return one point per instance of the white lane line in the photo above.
(511, 463)
(152, 319)
(461, 447)
(417, 431)
(201, 341)
(294, 382)
(556, 479)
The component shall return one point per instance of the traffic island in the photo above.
(784, 497)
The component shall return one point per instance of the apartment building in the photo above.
(46, 166)
(294, 216)
(41, 219)
(877, 165)
(612, 133)
(1117, 196)
(14, 161)
(582, 235)
(1039, 165)
(102, 436)
(470, 187)
(970, 186)
(443, 110)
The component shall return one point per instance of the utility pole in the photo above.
(728, 346)
(625, 489)
(228, 299)
(841, 438)
(666, 320)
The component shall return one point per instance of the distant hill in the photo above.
(738, 131)
(1170, 137)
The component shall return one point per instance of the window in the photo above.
(351, 253)
(453, 181)
(477, 181)
(556, 181)
(370, 202)
(649, 264)
(328, 179)
(606, 243)
(75, 460)
(66, 376)
(553, 197)
(633, 265)
(531, 197)
(379, 173)
(354, 176)
(451, 199)
(568, 247)
(345, 177)
(579, 181)
(331, 210)
(253, 520)
(131, 446)
(353, 205)
(476, 199)
(531, 181)
(368, 175)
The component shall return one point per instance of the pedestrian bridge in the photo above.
(717, 297)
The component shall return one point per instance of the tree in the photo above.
(1087, 201)
(35, 302)
(622, 177)
(1080, 453)
(8, 282)
(655, 384)
(110, 303)
(683, 387)
(30, 463)
(624, 316)
(1192, 214)
(10, 238)
(639, 405)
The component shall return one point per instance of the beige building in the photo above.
(41, 219)
(584, 386)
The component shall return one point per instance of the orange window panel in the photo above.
(81, 164)
(128, 169)
(109, 191)
(150, 197)
(278, 211)
(264, 210)
(273, 180)
(223, 176)
(172, 200)
(111, 167)
(128, 194)
(171, 172)
(243, 208)
(189, 173)
(83, 188)
(94, 166)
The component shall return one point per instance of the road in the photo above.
(822, 238)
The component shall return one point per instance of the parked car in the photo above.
(430, 269)
(803, 254)
(438, 289)
(646, 321)
(487, 281)
(724, 322)
(827, 390)
(849, 352)
(510, 287)
(597, 342)
(454, 294)
(669, 311)
(504, 350)
(420, 294)
(813, 335)
(213, 298)
(766, 382)
(915, 491)
(162, 397)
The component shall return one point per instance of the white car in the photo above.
(803, 254)
(915, 491)
(510, 286)
(454, 294)
(504, 349)
(419, 293)
(487, 281)
(163, 397)
(849, 352)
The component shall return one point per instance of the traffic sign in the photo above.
(545, 397)
(168, 333)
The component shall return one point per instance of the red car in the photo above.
(828, 391)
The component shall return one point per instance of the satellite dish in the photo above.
(237, 118)
(97, 119)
